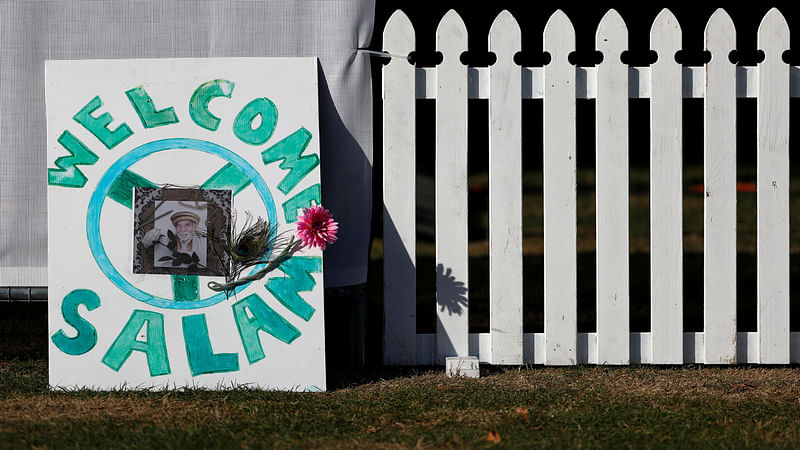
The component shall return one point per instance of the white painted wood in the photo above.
(479, 344)
(532, 82)
(639, 82)
(795, 348)
(533, 348)
(462, 366)
(694, 82)
(587, 348)
(719, 267)
(560, 216)
(586, 80)
(746, 82)
(426, 350)
(399, 214)
(505, 193)
(538, 347)
(641, 346)
(772, 181)
(747, 347)
(666, 194)
(582, 348)
(693, 348)
(451, 190)
(720, 83)
(794, 80)
(426, 83)
(613, 320)
(478, 82)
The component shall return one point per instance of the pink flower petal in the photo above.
(316, 227)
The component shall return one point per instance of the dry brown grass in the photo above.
(23, 409)
(741, 383)
(690, 406)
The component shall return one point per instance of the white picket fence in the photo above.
(611, 83)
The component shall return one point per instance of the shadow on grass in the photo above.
(23, 331)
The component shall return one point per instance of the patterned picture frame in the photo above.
(185, 218)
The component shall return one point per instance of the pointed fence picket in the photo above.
(399, 177)
(666, 193)
(719, 178)
(560, 213)
(505, 193)
(611, 188)
(611, 83)
(773, 193)
(452, 286)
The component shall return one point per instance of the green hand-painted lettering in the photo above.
(67, 174)
(202, 358)
(146, 109)
(289, 151)
(243, 124)
(86, 336)
(198, 104)
(155, 348)
(297, 278)
(264, 319)
(122, 189)
(98, 126)
(185, 288)
(229, 177)
(303, 199)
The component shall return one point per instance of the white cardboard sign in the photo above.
(242, 130)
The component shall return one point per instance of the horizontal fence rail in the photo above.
(693, 82)
(610, 83)
(534, 349)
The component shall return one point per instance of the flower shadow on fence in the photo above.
(451, 294)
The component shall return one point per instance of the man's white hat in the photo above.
(184, 215)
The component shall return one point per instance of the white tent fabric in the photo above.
(34, 31)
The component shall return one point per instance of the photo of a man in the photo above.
(180, 245)
(172, 229)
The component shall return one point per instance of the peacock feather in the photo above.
(257, 243)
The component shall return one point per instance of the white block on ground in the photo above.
(462, 366)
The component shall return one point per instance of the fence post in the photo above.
(399, 208)
(505, 193)
(719, 178)
(559, 186)
(613, 322)
(452, 286)
(773, 191)
(666, 194)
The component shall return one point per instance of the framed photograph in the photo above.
(176, 231)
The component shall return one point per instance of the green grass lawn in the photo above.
(689, 407)
(538, 407)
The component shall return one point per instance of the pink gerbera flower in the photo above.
(316, 228)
